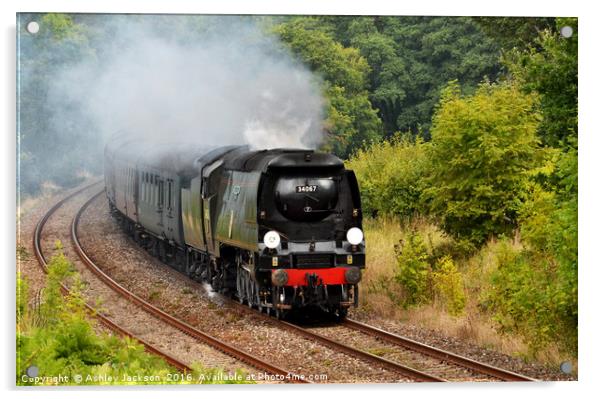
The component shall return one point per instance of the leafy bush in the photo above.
(425, 277)
(391, 176)
(449, 286)
(548, 224)
(413, 271)
(65, 342)
(482, 149)
(526, 297)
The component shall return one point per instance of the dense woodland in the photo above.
(465, 125)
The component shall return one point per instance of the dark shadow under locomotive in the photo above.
(278, 229)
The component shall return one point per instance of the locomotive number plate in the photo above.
(307, 189)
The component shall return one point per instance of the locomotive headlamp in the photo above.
(271, 239)
(354, 236)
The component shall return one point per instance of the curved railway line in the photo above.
(444, 366)
(37, 245)
(440, 354)
(160, 315)
(438, 365)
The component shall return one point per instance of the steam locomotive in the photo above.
(279, 229)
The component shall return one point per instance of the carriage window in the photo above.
(169, 188)
(152, 191)
(161, 194)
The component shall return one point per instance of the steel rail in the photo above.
(415, 346)
(407, 371)
(169, 319)
(37, 245)
(504, 375)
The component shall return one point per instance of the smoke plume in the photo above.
(203, 80)
(230, 85)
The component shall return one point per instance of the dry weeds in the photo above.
(382, 294)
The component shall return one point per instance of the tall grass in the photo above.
(383, 295)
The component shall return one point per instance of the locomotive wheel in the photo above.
(250, 295)
(240, 285)
(249, 291)
(239, 293)
(256, 290)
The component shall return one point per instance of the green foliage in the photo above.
(60, 27)
(351, 118)
(22, 297)
(65, 342)
(526, 296)
(391, 176)
(549, 68)
(388, 77)
(424, 277)
(449, 286)
(548, 223)
(482, 149)
(413, 269)
(514, 32)
(412, 58)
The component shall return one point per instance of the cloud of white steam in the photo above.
(233, 85)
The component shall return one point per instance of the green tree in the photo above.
(413, 58)
(351, 119)
(391, 176)
(515, 32)
(549, 67)
(483, 147)
(388, 77)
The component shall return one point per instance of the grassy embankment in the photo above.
(57, 336)
(382, 295)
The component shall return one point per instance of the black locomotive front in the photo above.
(311, 243)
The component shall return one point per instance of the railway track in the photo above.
(37, 245)
(445, 366)
(379, 361)
(440, 354)
(440, 365)
(187, 329)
